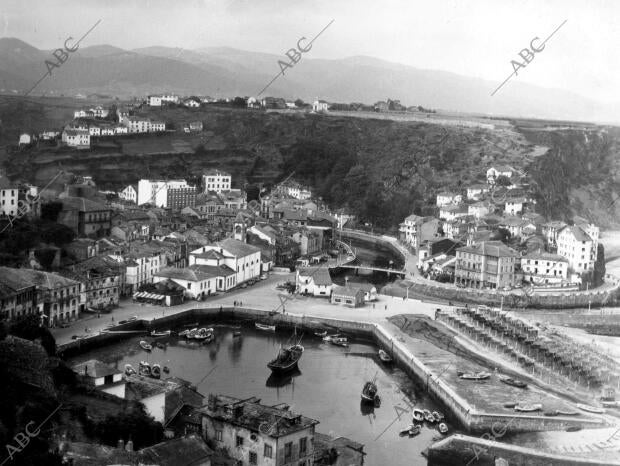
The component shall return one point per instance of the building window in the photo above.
(288, 451)
(253, 458)
(218, 435)
(303, 444)
(239, 441)
(268, 451)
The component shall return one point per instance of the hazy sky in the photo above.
(474, 38)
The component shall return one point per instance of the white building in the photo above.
(447, 198)
(100, 112)
(243, 259)
(543, 268)
(452, 212)
(216, 180)
(514, 205)
(476, 191)
(320, 106)
(154, 101)
(102, 376)
(198, 281)
(9, 197)
(156, 191)
(495, 172)
(129, 194)
(76, 138)
(478, 209)
(170, 98)
(577, 247)
(315, 281)
(25, 139)
(156, 126)
(94, 130)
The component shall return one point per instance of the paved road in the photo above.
(262, 296)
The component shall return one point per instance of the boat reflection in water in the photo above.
(280, 380)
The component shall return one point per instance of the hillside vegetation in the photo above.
(382, 170)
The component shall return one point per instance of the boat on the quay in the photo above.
(129, 370)
(474, 375)
(443, 428)
(156, 371)
(418, 414)
(144, 368)
(512, 382)
(529, 408)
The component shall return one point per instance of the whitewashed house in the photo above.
(244, 259)
(447, 198)
(577, 246)
(320, 106)
(129, 194)
(544, 268)
(314, 280)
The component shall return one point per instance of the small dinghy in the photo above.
(566, 412)
(590, 409)
(265, 327)
(328, 338)
(165, 333)
(438, 416)
(414, 430)
(144, 368)
(191, 333)
(443, 428)
(385, 358)
(129, 370)
(428, 416)
(513, 382)
(183, 333)
(551, 413)
(203, 334)
(406, 430)
(529, 408)
(510, 404)
(156, 371)
(418, 415)
(573, 429)
(322, 334)
(340, 341)
(145, 346)
(475, 376)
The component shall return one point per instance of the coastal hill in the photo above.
(381, 169)
(226, 72)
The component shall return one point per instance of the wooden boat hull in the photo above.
(513, 382)
(590, 409)
(265, 328)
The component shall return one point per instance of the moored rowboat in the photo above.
(266, 328)
(590, 409)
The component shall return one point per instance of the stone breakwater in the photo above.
(459, 409)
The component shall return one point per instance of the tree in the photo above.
(503, 181)
(300, 103)
(239, 102)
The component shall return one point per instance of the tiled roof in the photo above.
(28, 277)
(214, 271)
(349, 290)
(82, 204)
(578, 233)
(95, 368)
(182, 274)
(320, 274)
(490, 248)
(211, 254)
(238, 248)
(184, 451)
(547, 256)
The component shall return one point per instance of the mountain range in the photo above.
(227, 72)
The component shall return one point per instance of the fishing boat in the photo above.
(428, 416)
(145, 346)
(414, 430)
(339, 341)
(418, 415)
(144, 368)
(328, 338)
(236, 333)
(590, 409)
(551, 413)
(161, 334)
(510, 404)
(322, 334)
(513, 382)
(438, 416)
(564, 412)
(265, 327)
(203, 334)
(183, 333)
(443, 428)
(406, 430)
(474, 376)
(129, 370)
(370, 391)
(573, 429)
(529, 408)
(156, 371)
(385, 358)
(287, 358)
(191, 333)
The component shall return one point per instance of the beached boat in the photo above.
(385, 358)
(590, 409)
(564, 412)
(265, 327)
(165, 333)
(428, 416)
(129, 370)
(156, 371)
(322, 334)
(529, 408)
(370, 391)
(438, 416)
(145, 346)
(287, 359)
(339, 341)
(414, 430)
(475, 376)
(418, 414)
(573, 429)
(552, 413)
(510, 404)
(443, 428)
(144, 368)
(513, 382)
(183, 333)
(406, 430)
(191, 333)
